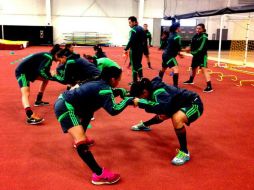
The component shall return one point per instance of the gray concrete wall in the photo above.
(156, 31)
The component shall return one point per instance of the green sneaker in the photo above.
(180, 158)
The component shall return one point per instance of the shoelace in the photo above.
(180, 154)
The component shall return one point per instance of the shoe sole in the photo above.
(179, 164)
(208, 91)
(36, 122)
(105, 183)
(188, 83)
(41, 105)
(133, 129)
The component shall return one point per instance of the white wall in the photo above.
(176, 7)
(22, 12)
(98, 8)
(104, 16)
(235, 23)
(154, 8)
(117, 27)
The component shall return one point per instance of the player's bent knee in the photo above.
(179, 119)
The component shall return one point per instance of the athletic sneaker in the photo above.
(188, 82)
(34, 120)
(140, 127)
(180, 158)
(208, 89)
(89, 142)
(41, 103)
(105, 178)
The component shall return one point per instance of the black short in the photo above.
(67, 117)
(22, 80)
(199, 61)
(194, 110)
(169, 62)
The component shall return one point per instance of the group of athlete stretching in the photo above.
(92, 84)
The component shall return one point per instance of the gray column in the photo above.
(48, 13)
(156, 31)
(141, 11)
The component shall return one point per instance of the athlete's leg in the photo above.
(175, 70)
(162, 71)
(178, 120)
(42, 88)
(208, 80)
(145, 126)
(25, 92)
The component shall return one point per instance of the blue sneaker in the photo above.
(180, 158)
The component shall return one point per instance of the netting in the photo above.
(235, 33)
(230, 28)
(242, 44)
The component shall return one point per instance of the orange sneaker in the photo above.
(34, 120)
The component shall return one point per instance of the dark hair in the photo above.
(61, 53)
(202, 26)
(110, 72)
(133, 19)
(174, 27)
(165, 34)
(68, 46)
(99, 53)
(56, 48)
(91, 59)
(138, 87)
(88, 57)
(97, 47)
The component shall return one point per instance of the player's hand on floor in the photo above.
(53, 72)
(135, 102)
